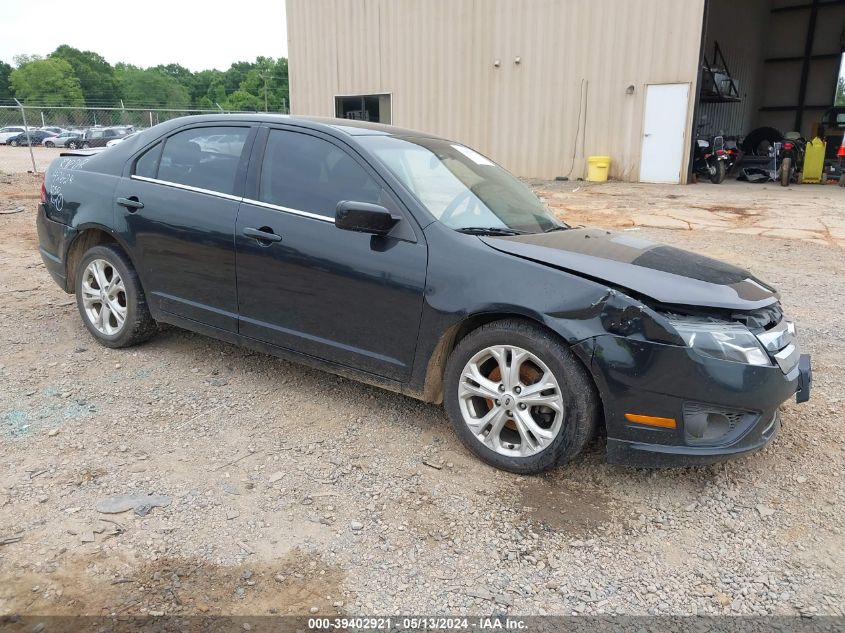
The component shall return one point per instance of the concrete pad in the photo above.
(659, 222)
(793, 234)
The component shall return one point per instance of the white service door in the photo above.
(664, 130)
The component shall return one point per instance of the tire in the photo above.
(753, 144)
(138, 324)
(569, 430)
(719, 176)
(86, 145)
(72, 145)
(49, 144)
(785, 172)
(13, 143)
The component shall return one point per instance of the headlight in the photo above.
(726, 341)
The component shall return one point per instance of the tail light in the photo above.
(43, 190)
(720, 152)
(788, 146)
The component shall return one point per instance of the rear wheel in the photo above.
(86, 145)
(49, 144)
(13, 143)
(785, 172)
(518, 398)
(110, 298)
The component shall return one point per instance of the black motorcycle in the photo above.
(711, 159)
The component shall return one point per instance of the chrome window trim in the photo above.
(257, 203)
(179, 185)
(276, 207)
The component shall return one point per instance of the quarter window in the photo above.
(147, 165)
(306, 173)
(198, 159)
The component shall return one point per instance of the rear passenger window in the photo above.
(306, 173)
(147, 165)
(206, 158)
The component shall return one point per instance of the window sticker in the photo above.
(474, 156)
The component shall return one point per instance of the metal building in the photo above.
(540, 85)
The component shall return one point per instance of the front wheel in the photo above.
(49, 144)
(518, 398)
(785, 172)
(72, 145)
(110, 298)
(717, 173)
(13, 143)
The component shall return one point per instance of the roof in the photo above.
(345, 126)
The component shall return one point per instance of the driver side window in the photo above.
(307, 173)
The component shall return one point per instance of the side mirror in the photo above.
(364, 217)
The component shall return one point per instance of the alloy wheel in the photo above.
(511, 401)
(104, 297)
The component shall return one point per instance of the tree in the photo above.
(48, 82)
(150, 88)
(95, 74)
(6, 93)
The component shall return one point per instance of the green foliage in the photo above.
(95, 74)
(6, 93)
(70, 76)
(47, 82)
(149, 87)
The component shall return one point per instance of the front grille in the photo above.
(760, 319)
(779, 342)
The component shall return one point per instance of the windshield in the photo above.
(460, 187)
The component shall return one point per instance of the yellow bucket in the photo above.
(597, 168)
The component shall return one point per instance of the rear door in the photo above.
(349, 298)
(182, 235)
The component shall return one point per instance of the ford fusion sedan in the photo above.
(417, 264)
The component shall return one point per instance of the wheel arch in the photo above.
(90, 235)
(432, 389)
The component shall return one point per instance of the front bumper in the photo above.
(675, 383)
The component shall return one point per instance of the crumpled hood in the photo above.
(664, 273)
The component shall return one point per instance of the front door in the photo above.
(349, 298)
(177, 213)
(664, 133)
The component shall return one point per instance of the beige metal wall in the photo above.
(567, 95)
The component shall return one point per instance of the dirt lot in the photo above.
(294, 491)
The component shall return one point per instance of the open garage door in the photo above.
(770, 66)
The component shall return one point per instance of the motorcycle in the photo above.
(732, 147)
(711, 159)
(791, 157)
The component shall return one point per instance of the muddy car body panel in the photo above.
(389, 309)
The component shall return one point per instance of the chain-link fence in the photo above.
(75, 118)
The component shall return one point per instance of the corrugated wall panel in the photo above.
(436, 58)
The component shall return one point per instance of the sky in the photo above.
(197, 35)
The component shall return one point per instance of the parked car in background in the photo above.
(54, 130)
(61, 140)
(35, 137)
(8, 132)
(97, 137)
(120, 139)
(417, 264)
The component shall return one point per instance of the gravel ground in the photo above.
(294, 491)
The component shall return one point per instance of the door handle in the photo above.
(264, 234)
(131, 203)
